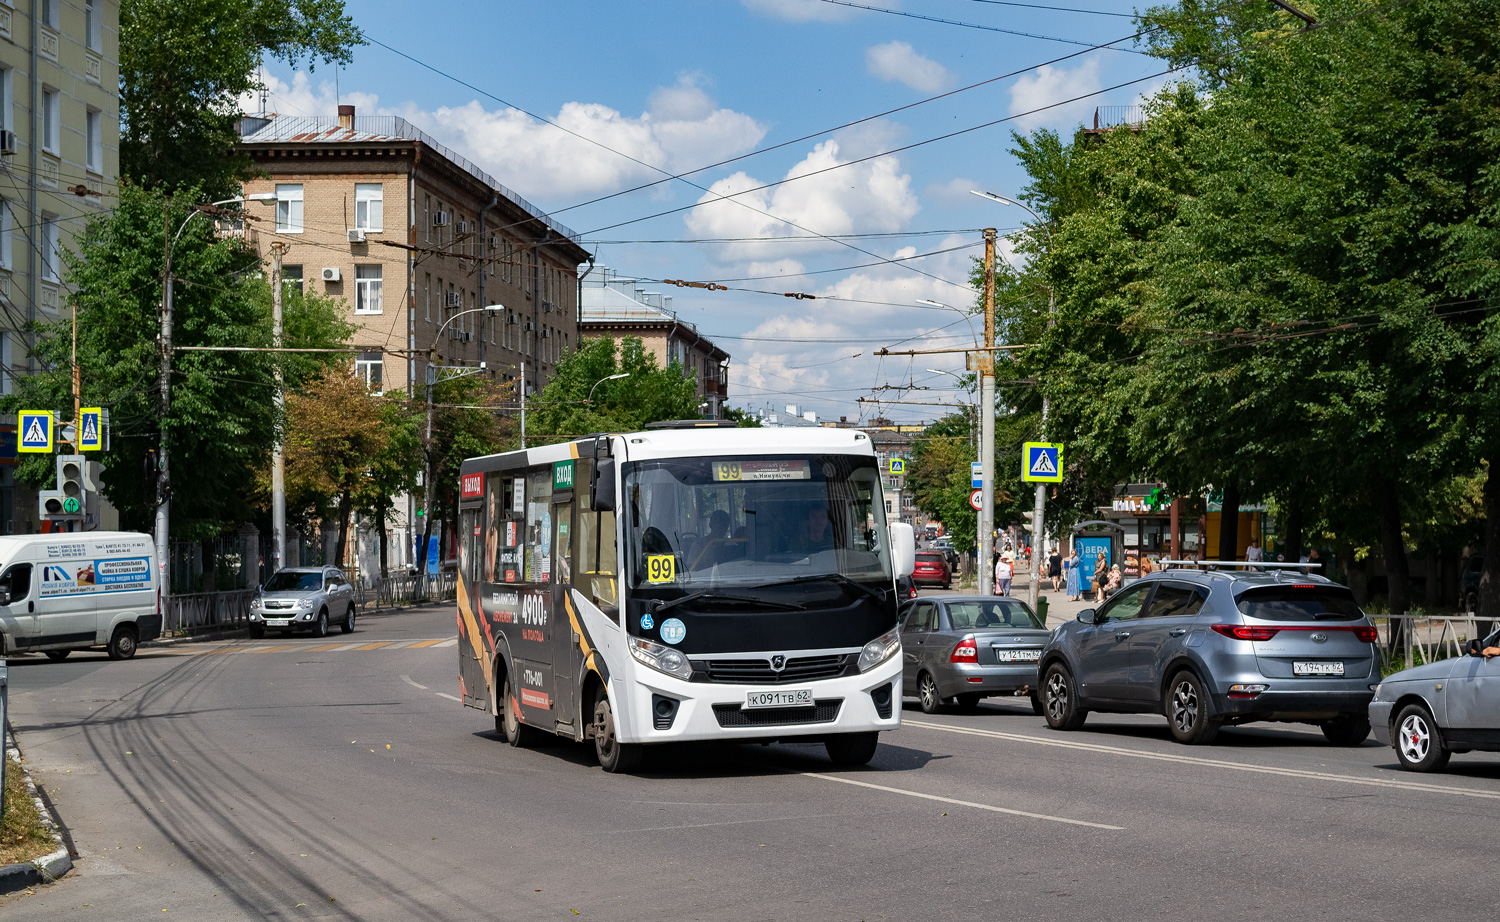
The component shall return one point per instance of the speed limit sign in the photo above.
(976, 499)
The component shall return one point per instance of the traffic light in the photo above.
(71, 498)
(1030, 521)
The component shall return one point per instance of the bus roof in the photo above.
(675, 443)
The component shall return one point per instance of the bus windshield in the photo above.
(702, 523)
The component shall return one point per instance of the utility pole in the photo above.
(1039, 520)
(986, 363)
(278, 462)
(163, 484)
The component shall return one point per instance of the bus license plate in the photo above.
(1017, 656)
(781, 698)
(1317, 668)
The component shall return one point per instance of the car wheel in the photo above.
(1349, 730)
(257, 631)
(58, 656)
(614, 756)
(969, 701)
(1036, 705)
(519, 735)
(348, 626)
(320, 627)
(1419, 746)
(1189, 711)
(122, 644)
(1061, 700)
(948, 585)
(927, 693)
(852, 749)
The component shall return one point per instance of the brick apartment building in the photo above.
(617, 307)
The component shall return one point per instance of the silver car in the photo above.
(964, 648)
(1213, 648)
(303, 598)
(1432, 711)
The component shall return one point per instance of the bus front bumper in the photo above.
(664, 709)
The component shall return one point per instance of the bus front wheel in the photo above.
(852, 748)
(614, 756)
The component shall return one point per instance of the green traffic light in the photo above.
(70, 505)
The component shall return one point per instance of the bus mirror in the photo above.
(903, 548)
(602, 486)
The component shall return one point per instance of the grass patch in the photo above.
(22, 835)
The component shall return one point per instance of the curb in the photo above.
(43, 870)
(244, 633)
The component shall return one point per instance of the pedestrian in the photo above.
(1253, 553)
(1054, 569)
(1004, 570)
(1313, 558)
(1071, 572)
(1101, 576)
(1114, 581)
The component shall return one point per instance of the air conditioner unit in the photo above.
(356, 235)
(331, 273)
(440, 219)
(529, 326)
(512, 318)
(463, 227)
(8, 142)
(468, 336)
(494, 242)
(546, 332)
(455, 299)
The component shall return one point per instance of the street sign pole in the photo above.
(987, 423)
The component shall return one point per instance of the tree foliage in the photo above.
(564, 408)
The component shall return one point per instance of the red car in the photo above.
(932, 569)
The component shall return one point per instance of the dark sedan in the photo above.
(961, 649)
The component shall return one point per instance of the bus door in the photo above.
(567, 657)
(472, 679)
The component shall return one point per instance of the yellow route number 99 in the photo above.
(727, 470)
(661, 568)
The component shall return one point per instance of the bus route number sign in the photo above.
(661, 568)
(762, 470)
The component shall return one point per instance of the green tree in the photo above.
(335, 431)
(393, 470)
(564, 410)
(185, 66)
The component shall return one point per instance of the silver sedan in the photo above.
(964, 648)
(1430, 712)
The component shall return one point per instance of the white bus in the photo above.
(688, 582)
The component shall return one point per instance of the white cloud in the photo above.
(1050, 85)
(898, 61)
(873, 196)
(682, 130)
(799, 10)
(954, 191)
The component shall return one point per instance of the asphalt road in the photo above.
(310, 779)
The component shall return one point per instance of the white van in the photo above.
(73, 591)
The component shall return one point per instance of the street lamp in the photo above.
(968, 317)
(1039, 532)
(163, 484)
(623, 374)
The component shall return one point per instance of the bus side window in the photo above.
(595, 555)
(538, 549)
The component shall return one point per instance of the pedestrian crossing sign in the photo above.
(90, 429)
(1042, 462)
(35, 431)
(898, 466)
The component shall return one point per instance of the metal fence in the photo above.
(399, 591)
(197, 612)
(1409, 640)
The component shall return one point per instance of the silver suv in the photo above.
(297, 598)
(1206, 648)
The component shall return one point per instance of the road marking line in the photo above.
(280, 649)
(428, 643)
(960, 803)
(449, 697)
(408, 681)
(325, 648)
(1210, 763)
(343, 647)
(450, 642)
(376, 645)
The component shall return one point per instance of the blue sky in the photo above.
(681, 84)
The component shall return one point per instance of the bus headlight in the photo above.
(664, 659)
(879, 650)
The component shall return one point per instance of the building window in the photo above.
(288, 208)
(50, 13)
(93, 26)
(427, 295)
(369, 368)
(367, 282)
(368, 205)
(291, 277)
(7, 115)
(51, 121)
(95, 120)
(50, 268)
(5, 227)
(427, 219)
(6, 379)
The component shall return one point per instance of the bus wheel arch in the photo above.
(588, 693)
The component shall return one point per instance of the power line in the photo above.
(970, 25)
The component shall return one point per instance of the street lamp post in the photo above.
(617, 377)
(1039, 541)
(163, 481)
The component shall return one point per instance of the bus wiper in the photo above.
(839, 578)
(726, 597)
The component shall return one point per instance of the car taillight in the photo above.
(1364, 634)
(1245, 632)
(966, 652)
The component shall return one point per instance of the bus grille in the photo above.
(759, 671)
(823, 711)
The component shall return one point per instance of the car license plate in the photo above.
(1317, 668)
(780, 698)
(1017, 656)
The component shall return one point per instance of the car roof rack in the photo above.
(1257, 564)
(693, 424)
